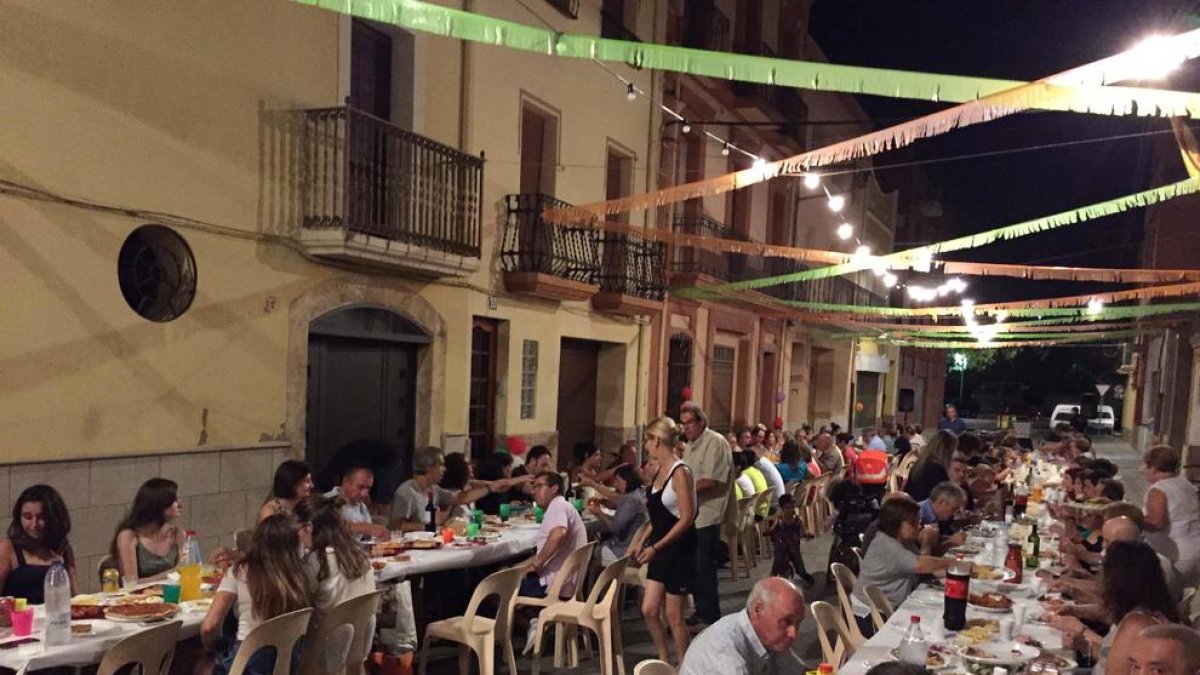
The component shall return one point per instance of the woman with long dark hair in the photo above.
(1133, 595)
(293, 482)
(337, 566)
(270, 581)
(147, 543)
(37, 538)
(792, 466)
(630, 502)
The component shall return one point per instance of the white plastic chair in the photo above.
(596, 614)
(342, 639)
(479, 633)
(829, 620)
(846, 581)
(282, 633)
(654, 667)
(152, 650)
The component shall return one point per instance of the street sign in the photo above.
(1103, 389)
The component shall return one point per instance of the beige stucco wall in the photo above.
(156, 107)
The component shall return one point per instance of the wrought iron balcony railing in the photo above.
(532, 245)
(633, 265)
(706, 26)
(741, 267)
(365, 175)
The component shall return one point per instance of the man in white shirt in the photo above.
(747, 643)
(771, 473)
(355, 490)
(561, 533)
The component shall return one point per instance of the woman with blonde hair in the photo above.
(669, 551)
(269, 582)
(933, 465)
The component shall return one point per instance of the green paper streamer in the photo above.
(1078, 313)
(1074, 216)
(827, 77)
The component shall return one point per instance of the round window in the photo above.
(157, 273)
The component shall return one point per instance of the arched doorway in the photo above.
(362, 392)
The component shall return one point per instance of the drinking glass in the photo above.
(448, 535)
(472, 530)
(505, 512)
(171, 593)
(538, 514)
(22, 622)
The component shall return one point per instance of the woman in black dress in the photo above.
(670, 550)
(36, 539)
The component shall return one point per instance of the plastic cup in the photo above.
(505, 512)
(1019, 614)
(477, 516)
(578, 505)
(447, 535)
(128, 583)
(171, 593)
(22, 622)
(189, 582)
(538, 514)
(472, 530)
(1006, 629)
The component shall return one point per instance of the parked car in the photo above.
(1106, 422)
(1063, 412)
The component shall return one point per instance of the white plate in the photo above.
(927, 597)
(990, 610)
(99, 627)
(1004, 654)
(1006, 575)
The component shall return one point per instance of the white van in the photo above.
(1063, 412)
(1106, 422)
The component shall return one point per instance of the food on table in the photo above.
(378, 565)
(212, 579)
(978, 653)
(401, 557)
(967, 551)
(138, 600)
(990, 601)
(989, 624)
(977, 631)
(987, 573)
(141, 611)
(424, 544)
(81, 628)
(386, 548)
(937, 657)
(85, 612)
(1055, 661)
(149, 590)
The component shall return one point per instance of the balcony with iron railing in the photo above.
(692, 264)
(613, 26)
(624, 271)
(373, 193)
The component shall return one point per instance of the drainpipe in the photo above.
(464, 87)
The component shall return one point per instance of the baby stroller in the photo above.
(855, 512)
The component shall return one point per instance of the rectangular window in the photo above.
(529, 365)
(720, 409)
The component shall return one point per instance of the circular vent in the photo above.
(157, 273)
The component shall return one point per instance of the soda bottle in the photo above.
(1020, 500)
(913, 647)
(1015, 561)
(958, 589)
(57, 588)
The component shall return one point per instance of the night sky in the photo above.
(1022, 40)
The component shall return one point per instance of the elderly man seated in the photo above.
(1167, 649)
(748, 642)
(944, 501)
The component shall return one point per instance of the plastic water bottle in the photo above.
(190, 555)
(913, 647)
(57, 588)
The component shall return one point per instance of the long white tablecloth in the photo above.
(82, 650)
(927, 603)
(513, 541)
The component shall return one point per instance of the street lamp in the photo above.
(960, 364)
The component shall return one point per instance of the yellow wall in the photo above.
(156, 106)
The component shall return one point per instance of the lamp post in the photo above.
(960, 364)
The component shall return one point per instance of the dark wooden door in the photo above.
(577, 366)
(767, 386)
(371, 70)
(481, 412)
(362, 390)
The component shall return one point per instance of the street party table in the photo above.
(928, 602)
(84, 650)
(518, 538)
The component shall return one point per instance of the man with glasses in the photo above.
(561, 533)
(413, 495)
(711, 460)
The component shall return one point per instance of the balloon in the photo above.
(780, 396)
(778, 422)
(859, 407)
(516, 445)
(686, 392)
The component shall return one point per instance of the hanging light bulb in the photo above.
(837, 203)
(890, 280)
(759, 163)
(863, 251)
(725, 149)
(845, 231)
(630, 92)
(1154, 58)
(1094, 307)
(957, 285)
(687, 128)
(812, 180)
